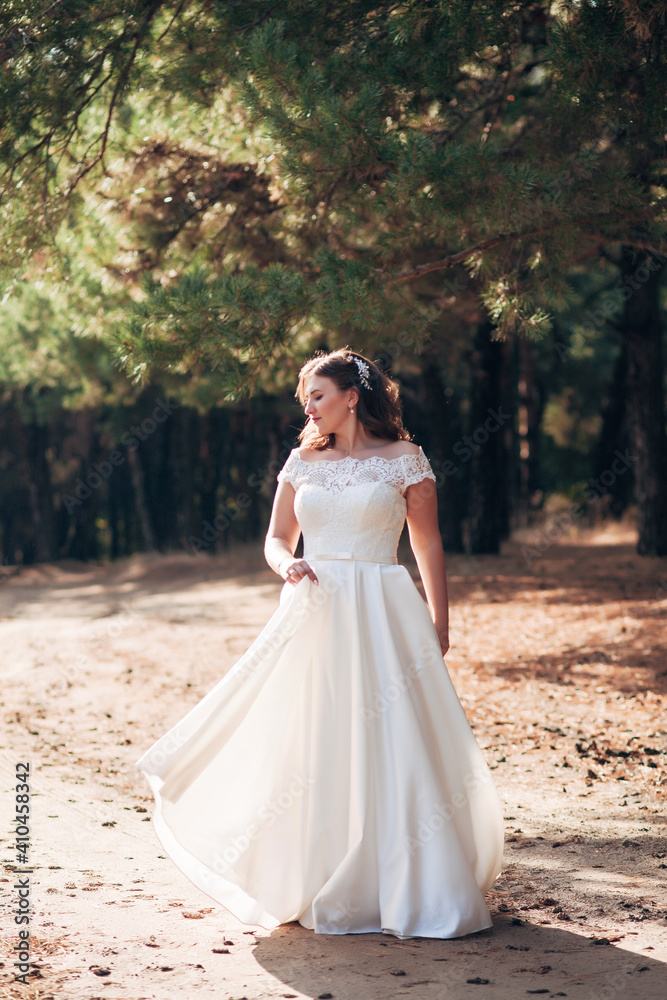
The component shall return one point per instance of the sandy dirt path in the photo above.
(561, 666)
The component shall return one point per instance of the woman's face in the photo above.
(327, 407)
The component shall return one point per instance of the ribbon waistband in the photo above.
(351, 555)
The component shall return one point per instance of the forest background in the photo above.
(197, 195)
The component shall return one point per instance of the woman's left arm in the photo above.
(426, 543)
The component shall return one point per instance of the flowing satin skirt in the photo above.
(331, 777)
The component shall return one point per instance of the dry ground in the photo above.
(560, 664)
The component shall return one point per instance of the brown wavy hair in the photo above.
(379, 408)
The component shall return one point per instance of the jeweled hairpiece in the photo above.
(364, 371)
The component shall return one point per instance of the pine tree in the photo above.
(384, 146)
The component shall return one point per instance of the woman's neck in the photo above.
(355, 441)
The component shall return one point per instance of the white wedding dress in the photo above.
(331, 776)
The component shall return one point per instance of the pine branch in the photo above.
(437, 265)
(455, 258)
(103, 138)
(22, 32)
(88, 91)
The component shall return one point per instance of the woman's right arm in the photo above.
(283, 534)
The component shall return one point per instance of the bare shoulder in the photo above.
(399, 448)
(305, 454)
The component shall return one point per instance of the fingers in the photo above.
(296, 571)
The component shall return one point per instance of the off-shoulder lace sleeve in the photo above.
(415, 468)
(288, 473)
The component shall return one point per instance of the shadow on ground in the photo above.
(511, 960)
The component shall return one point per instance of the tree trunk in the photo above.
(40, 492)
(485, 445)
(642, 329)
(31, 439)
(230, 433)
(509, 451)
(614, 436)
(208, 476)
(184, 439)
(530, 418)
(17, 545)
(444, 418)
(253, 458)
(137, 474)
(113, 520)
(81, 540)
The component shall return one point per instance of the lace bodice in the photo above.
(353, 504)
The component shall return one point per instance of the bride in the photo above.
(331, 776)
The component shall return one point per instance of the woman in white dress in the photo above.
(331, 776)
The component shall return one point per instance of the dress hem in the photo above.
(193, 870)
